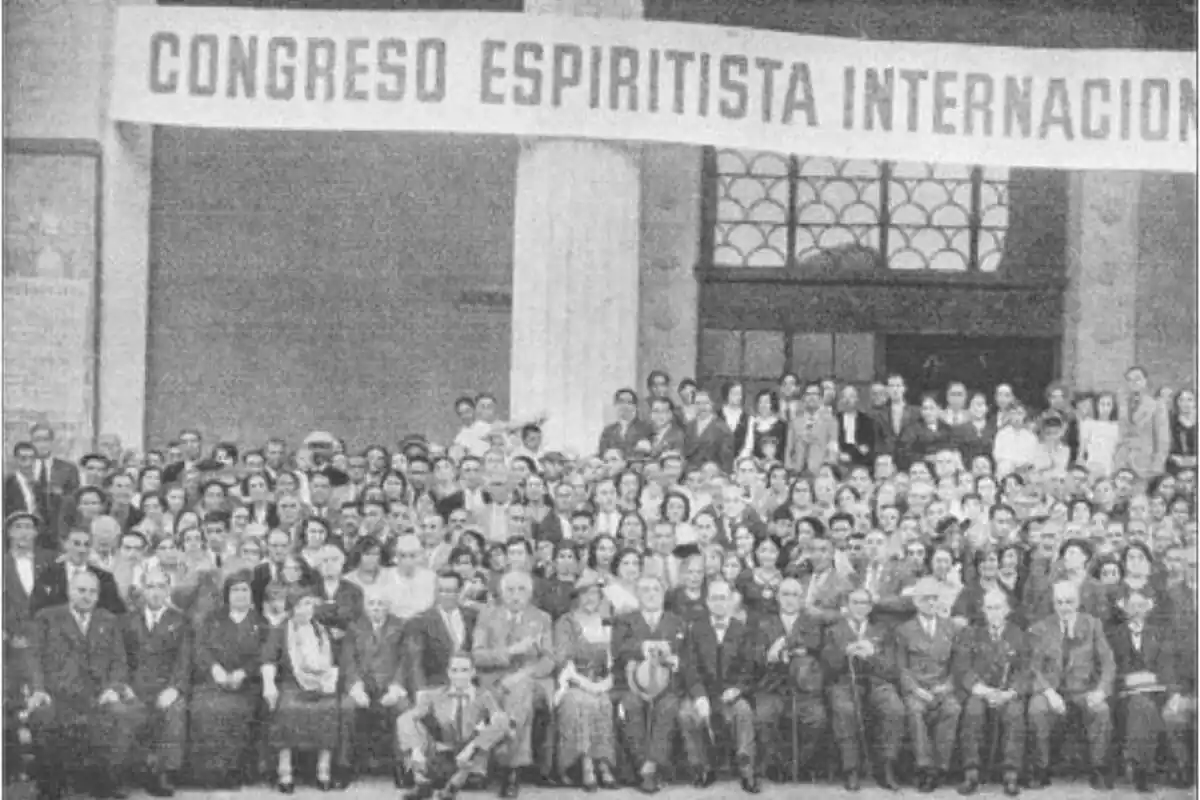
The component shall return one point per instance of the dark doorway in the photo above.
(929, 363)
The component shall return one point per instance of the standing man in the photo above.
(52, 586)
(628, 430)
(707, 438)
(860, 659)
(1072, 663)
(812, 438)
(1145, 437)
(993, 659)
(55, 478)
(895, 416)
(856, 431)
(925, 656)
(514, 653)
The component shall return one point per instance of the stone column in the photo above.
(1100, 314)
(575, 270)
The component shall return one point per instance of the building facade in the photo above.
(261, 283)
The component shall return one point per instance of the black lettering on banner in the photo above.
(203, 84)
(705, 83)
(243, 67)
(160, 84)
(622, 74)
(391, 68)
(1056, 110)
(281, 78)
(489, 72)
(652, 83)
(943, 102)
(1126, 108)
(848, 98)
(1187, 109)
(679, 60)
(1089, 128)
(523, 54)
(597, 59)
(768, 67)
(735, 85)
(354, 68)
(567, 71)
(431, 78)
(914, 78)
(1152, 87)
(1018, 106)
(319, 58)
(800, 96)
(978, 94)
(878, 98)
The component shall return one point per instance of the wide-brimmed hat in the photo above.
(648, 678)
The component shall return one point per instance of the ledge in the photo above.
(943, 280)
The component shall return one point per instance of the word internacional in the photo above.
(539, 75)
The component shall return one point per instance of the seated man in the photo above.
(1072, 664)
(79, 681)
(1179, 714)
(514, 653)
(646, 647)
(717, 674)
(451, 733)
(373, 658)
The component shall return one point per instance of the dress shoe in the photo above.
(1096, 780)
(1141, 781)
(886, 777)
(286, 788)
(970, 784)
(852, 783)
(649, 783)
(449, 793)
(590, 786)
(475, 783)
(325, 786)
(750, 784)
(422, 792)
(549, 780)
(1012, 787)
(160, 785)
(1044, 779)
(604, 777)
(705, 779)
(511, 786)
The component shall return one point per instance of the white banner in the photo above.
(538, 75)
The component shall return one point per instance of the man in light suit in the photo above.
(1145, 429)
(1072, 666)
(451, 732)
(925, 658)
(628, 430)
(812, 438)
(514, 653)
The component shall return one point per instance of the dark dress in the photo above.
(303, 720)
(222, 719)
(1183, 442)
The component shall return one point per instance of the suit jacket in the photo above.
(739, 430)
(555, 597)
(710, 667)
(18, 606)
(924, 661)
(439, 707)
(980, 659)
(810, 446)
(828, 597)
(50, 589)
(612, 437)
(889, 435)
(714, 443)
(630, 632)
(864, 437)
(1156, 655)
(496, 629)
(892, 608)
(51, 495)
(343, 609)
(14, 497)
(918, 442)
(75, 668)
(430, 646)
(1145, 437)
(972, 441)
(879, 669)
(379, 661)
(672, 439)
(803, 672)
(551, 528)
(1082, 664)
(160, 658)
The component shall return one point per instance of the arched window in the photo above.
(775, 210)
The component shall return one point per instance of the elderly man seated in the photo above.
(514, 655)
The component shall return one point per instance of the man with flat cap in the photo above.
(925, 656)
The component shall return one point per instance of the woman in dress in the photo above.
(225, 687)
(256, 489)
(621, 592)
(537, 500)
(767, 423)
(372, 569)
(300, 687)
(1099, 436)
(733, 412)
(149, 482)
(315, 533)
(760, 585)
(1182, 452)
(582, 641)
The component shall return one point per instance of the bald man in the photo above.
(513, 651)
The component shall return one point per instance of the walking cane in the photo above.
(864, 745)
(996, 717)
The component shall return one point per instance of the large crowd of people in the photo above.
(801, 588)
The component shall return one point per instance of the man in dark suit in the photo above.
(1072, 664)
(51, 588)
(628, 430)
(869, 645)
(438, 633)
(925, 656)
(895, 417)
(279, 545)
(158, 641)
(654, 638)
(375, 659)
(993, 662)
(79, 715)
(856, 431)
(666, 434)
(717, 670)
(707, 438)
(556, 525)
(55, 479)
(23, 565)
(977, 436)
(1145, 660)
(21, 492)
(787, 678)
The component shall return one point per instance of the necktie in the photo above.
(997, 633)
(83, 622)
(460, 708)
